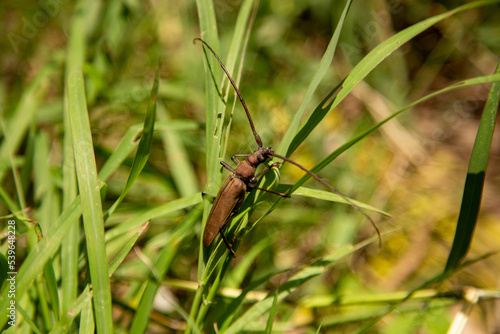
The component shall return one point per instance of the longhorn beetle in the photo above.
(243, 179)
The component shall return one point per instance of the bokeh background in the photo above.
(413, 168)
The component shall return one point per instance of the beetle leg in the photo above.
(236, 156)
(226, 166)
(223, 236)
(221, 231)
(246, 155)
(273, 192)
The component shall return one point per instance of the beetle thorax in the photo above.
(245, 170)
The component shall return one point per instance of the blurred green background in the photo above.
(414, 167)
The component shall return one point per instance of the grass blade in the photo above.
(270, 319)
(327, 196)
(161, 266)
(144, 145)
(113, 265)
(474, 183)
(318, 76)
(88, 185)
(74, 310)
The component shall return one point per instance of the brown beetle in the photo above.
(243, 179)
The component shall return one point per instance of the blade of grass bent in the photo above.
(474, 183)
(327, 196)
(88, 186)
(113, 265)
(318, 76)
(144, 148)
(366, 65)
(237, 48)
(326, 161)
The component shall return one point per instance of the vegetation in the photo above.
(113, 123)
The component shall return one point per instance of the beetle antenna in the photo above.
(255, 134)
(333, 190)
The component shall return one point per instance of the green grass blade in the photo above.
(31, 323)
(237, 275)
(69, 246)
(318, 76)
(75, 55)
(74, 310)
(51, 281)
(474, 183)
(270, 319)
(126, 146)
(126, 249)
(144, 145)
(161, 266)
(327, 196)
(88, 185)
(87, 324)
(9, 202)
(86, 296)
(436, 279)
(367, 64)
(237, 48)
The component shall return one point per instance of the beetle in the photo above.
(243, 179)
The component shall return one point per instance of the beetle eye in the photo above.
(261, 158)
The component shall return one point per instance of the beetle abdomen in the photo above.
(228, 201)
